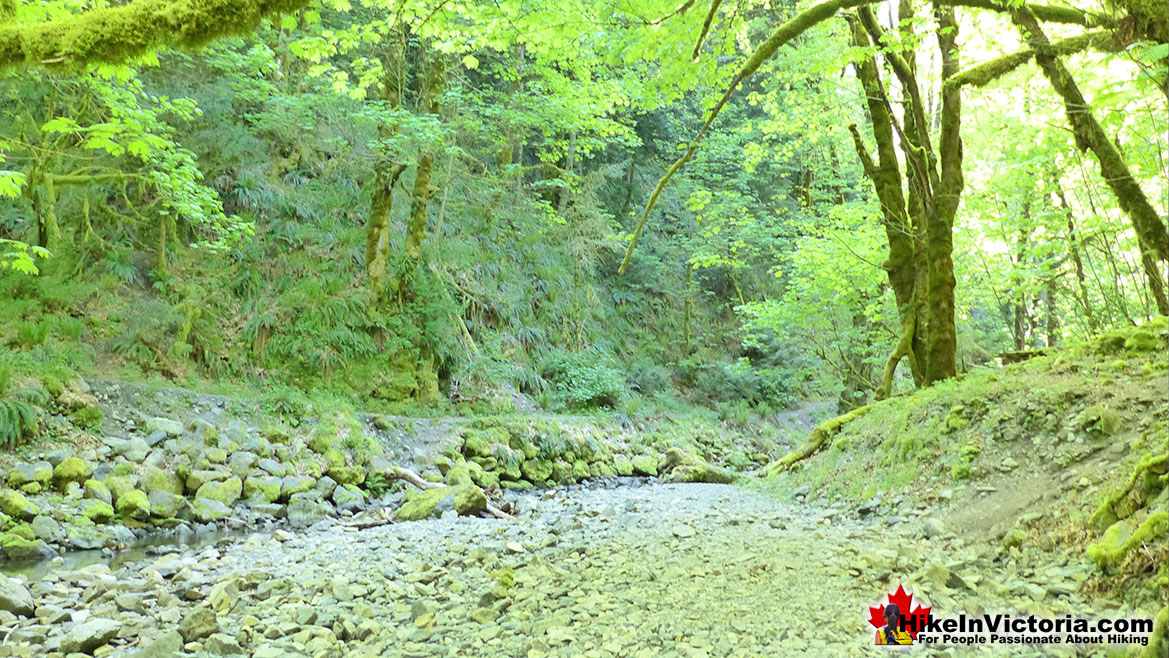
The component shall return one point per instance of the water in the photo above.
(149, 546)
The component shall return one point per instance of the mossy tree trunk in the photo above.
(429, 99)
(1152, 236)
(388, 170)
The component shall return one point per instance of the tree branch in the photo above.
(987, 72)
(119, 33)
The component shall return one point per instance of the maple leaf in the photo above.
(910, 621)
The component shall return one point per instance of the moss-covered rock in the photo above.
(72, 469)
(97, 490)
(87, 417)
(133, 504)
(469, 500)
(158, 479)
(475, 444)
(428, 504)
(119, 485)
(40, 472)
(347, 474)
(17, 547)
(294, 484)
(687, 466)
(324, 440)
(580, 470)
(226, 491)
(14, 504)
(265, 488)
(207, 510)
(537, 470)
(645, 465)
(166, 505)
(98, 511)
(623, 465)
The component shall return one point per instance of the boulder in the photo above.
(46, 528)
(164, 480)
(72, 469)
(469, 500)
(623, 465)
(474, 445)
(40, 472)
(97, 511)
(294, 484)
(166, 505)
(645, 465)
(686, 466)
(265, 488)
(168, 645)
(97, 490)
(241, 463)
(272, 466)
(119, 485)
(14, 504)
(197, 478)
(304, 510)
(165, 425)
(207, 510)
(134, 504)
(227, 491)
(89, 635)
(198, 624)
(348, 497)
(431, 503)
(19, 547)
(135, 450)
(537, 470)
(347, 474)
(15, 597)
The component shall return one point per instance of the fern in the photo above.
(18, 420)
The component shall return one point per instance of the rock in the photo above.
(97, 511)
(222, 644)
(294, 484)
(223, 596)
(272, 466)
(645, 465)
(40, 472)
(350, 498)
(14, 597)
(304, 510)
(159, 424)
(227, 491)
(159, 479)
(119, 485)
(241, 463)
(97, 490)
(347, 474)
(469, 500)
(199, 477)
(168, 645)
(683, 531)
(71, 470)
(21, 547)
(135, 450)
(537, 470)
(207, 510)
(198, 624)
(623, 465)
(933, 527)
(325, 487)
(166, 505)
(428, 504)
(689, 467)
(46, 528)
(134, 504)
(474, 445)
(264, 488)
(89, 635)
(14, 504)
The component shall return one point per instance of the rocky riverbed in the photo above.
(626, 568)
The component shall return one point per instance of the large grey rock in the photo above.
(294, 484)
(262, 488)
(222, 644)
(241, 463)
(46, 528)
(226, 491)
(165, 425)
(165, 479)
(166, 505)
(89, 635)
(135, 450)
(325, 486)
(40, 472)
(207, 510)
(304, 510)
(348, 498)
(272, 466)
(14, 597)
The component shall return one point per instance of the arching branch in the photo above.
(119, 33)
(987, 72)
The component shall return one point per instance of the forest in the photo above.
(700, 241)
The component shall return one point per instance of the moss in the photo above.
(69, 470)
(1118, 540)
(87, 417)
(125, 468)
(134, 504)
(14, 504)
(97, 511)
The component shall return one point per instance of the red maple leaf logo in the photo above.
(912, 622)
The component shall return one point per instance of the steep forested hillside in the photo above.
(414, 203)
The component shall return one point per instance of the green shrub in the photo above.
(583, 380)
(18, 420)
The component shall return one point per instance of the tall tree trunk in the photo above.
(1152, 236)
(428, 103)
(388, 170)
(942, 335)
(1077, 262)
